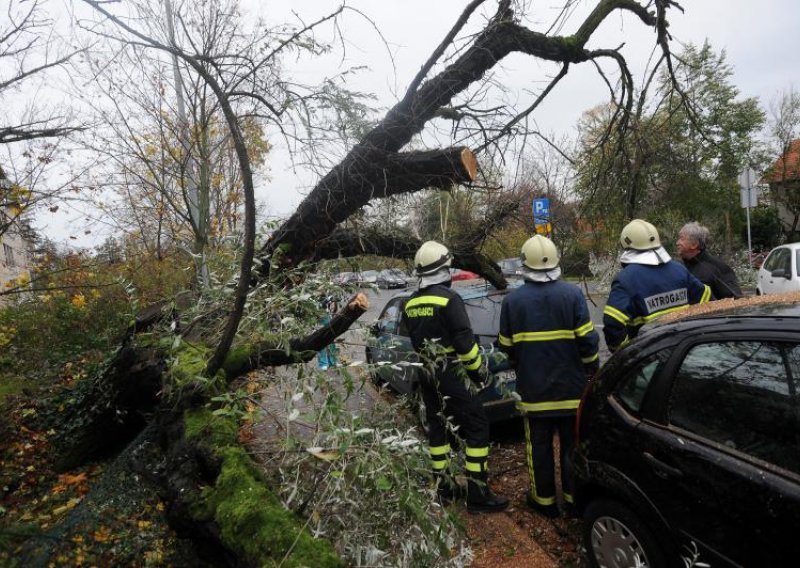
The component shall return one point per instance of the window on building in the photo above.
(9, 252)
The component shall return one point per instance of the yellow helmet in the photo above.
(539, 253)
(639, 235)
(430, 257)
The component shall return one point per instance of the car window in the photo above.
(389, 320)
(742, 394)
(797, 262)
(779, 258)
(484, 315)
(632, 388)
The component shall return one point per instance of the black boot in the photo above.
(549, 511)
(480, 498)
(447, 488)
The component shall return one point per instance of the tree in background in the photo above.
(170, 175)
(783, 175)
(680, 159)
(31, 126)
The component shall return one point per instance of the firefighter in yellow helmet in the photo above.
(649, 285)
(546, 330)
(441, 334)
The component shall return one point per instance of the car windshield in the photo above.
(484, 314)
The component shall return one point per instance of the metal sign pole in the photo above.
(746, 180)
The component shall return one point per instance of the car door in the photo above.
(392, 346)
(723, 450)
(778, 275)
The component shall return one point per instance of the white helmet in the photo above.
(431, 257)
(539, 253)
(640, 235)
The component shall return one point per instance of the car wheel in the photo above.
(615, 537)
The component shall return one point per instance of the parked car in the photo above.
(390, 278)
(346, 278)
(511, 267)
(367, 277)
(456, 274)
(688, 444)
(781, 271)
(389, 343)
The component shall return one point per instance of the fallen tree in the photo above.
(200, 460)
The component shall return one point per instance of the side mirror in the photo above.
(780, 273)
(375, 329)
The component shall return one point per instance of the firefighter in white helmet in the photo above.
(649, 285)
(546, 330)
(441, 333)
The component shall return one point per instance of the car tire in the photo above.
(615, 537)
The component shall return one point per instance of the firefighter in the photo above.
(453, 371)
(546, 330)
(649, 285)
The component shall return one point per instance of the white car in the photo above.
(781, 271)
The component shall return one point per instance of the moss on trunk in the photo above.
(251, 519)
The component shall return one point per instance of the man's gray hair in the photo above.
(696, 232)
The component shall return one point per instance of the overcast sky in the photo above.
(755, 35)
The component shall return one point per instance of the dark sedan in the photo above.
(389, 350)
(688, 446)
(391, 278)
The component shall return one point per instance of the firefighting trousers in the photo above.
(539, 435)
(449, 403)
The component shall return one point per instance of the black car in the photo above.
(688, 444)
(391, 278)
(395, 363)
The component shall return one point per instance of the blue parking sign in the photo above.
(541, 211)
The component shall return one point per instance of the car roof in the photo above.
(780, 311)
(466, 292)
(793, 246)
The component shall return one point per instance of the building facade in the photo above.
(16, 246)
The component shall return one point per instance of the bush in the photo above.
(575, 263)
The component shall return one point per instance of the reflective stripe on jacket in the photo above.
(437, 314)
(546, 330)
(642, 293)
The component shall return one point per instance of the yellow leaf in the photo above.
(322, 455)
(66, 507)
(103, 534)
(68, 479)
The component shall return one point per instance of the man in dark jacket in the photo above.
(546, 330)
(708, 269)
(441, 334)
(649, 285)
